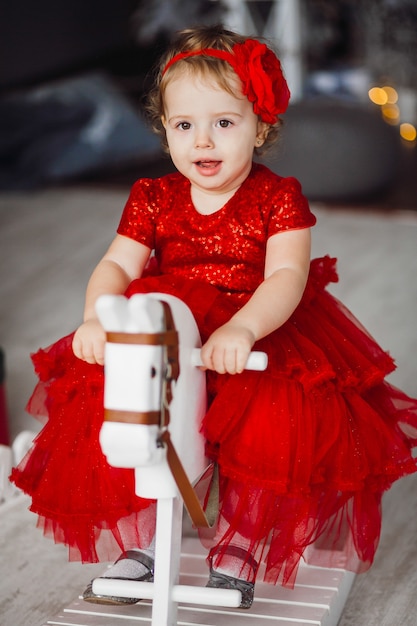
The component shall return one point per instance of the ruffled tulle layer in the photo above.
(304, 455)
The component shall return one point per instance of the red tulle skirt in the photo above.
(304, 455)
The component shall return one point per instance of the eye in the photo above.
(224, 123)
(184, 125)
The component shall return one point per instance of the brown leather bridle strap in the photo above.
(169, 340)
(199, 517)
(148, 418)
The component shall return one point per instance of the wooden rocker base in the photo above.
(317, 600)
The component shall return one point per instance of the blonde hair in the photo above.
(216, 69)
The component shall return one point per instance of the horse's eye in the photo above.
(153, 372)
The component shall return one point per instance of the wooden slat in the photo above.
(317, 600)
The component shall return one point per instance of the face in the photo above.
(211, 133)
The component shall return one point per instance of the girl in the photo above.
(306, 453)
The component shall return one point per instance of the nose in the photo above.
(203, 138)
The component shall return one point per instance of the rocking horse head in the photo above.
(145, 369)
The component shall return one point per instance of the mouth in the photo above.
(207, 165)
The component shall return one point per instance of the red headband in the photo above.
(260, 71)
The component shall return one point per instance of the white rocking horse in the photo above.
(154, 400)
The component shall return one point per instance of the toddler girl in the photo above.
(306, 449)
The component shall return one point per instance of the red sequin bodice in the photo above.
(226, 248)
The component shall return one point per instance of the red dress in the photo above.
(304, 455)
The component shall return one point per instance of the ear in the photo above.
(164, 122)
(262, 133)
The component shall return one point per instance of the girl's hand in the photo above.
(123, 262)
(89, 340)
(227, 349)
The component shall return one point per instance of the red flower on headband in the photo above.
(260, 71)
(263, 81)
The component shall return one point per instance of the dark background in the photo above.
(51, 43)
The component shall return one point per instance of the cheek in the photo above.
(175, 148)
(172, 144)
(176, 151)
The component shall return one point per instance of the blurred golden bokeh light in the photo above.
(392, 95)
(383, 95)
(391, 113)
(377, 95)
(408, 131)
(387, 97)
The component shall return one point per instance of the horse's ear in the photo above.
(146, 314)
(112, 312)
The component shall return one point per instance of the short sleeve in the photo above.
(140, 212)
(289, 208)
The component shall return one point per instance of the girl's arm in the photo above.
(287, 265)
(123, 262)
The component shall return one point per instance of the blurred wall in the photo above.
(44, 39)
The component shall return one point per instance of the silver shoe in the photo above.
(144, 559)
(223, 581)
